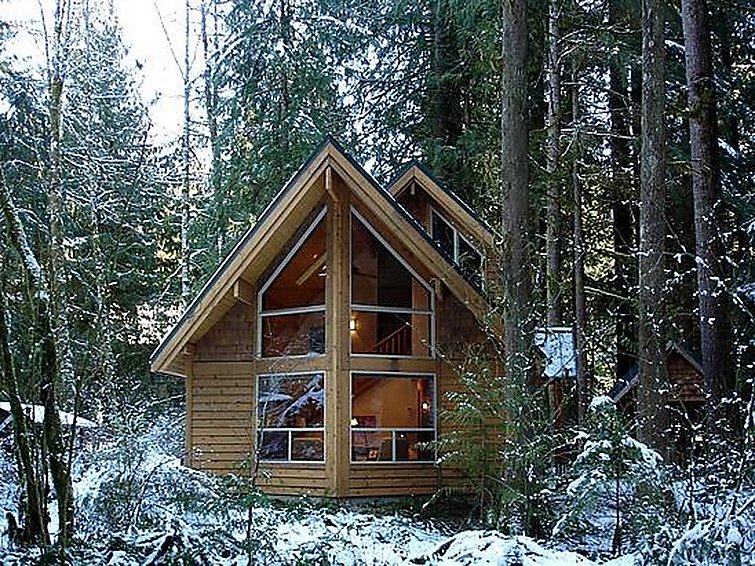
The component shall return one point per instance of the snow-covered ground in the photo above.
(137, 505)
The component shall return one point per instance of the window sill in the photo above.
(307, 463)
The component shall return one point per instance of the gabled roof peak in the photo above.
(303, 191)
(440, 191)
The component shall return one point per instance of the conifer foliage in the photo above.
(633, 122)
(618, 481)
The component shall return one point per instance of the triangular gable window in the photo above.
(392, 308)
(292, 301)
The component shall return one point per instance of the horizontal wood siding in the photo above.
(222, 431)
(457, 333)
(221, 417)
(375, 480)
(686, 382)
(293, 479)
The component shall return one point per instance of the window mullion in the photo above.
(394, 310)
(456, 245)
(295, 310)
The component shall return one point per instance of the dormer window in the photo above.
(457, 248)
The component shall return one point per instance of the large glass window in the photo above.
(457, 248)
(391, 308)
(292, 301)
(392, 417)
(290, 417)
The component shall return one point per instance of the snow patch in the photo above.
(600, 401)
(492, 548)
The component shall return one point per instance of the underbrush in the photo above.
(137, 482)
(138, 505)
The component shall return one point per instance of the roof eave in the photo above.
(159, 358)
(164, 355)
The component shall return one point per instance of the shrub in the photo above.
(619, 487)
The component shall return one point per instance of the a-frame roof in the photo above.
(631, 378)
(464, 216)
(233, 281)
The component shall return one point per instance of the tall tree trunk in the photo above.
(34, 500)
(653, 384)
(186, 168)
(554, 283)
(706, 192)
(52, 318)
(516, 266)
(624, 196)
(52, 444)
(580, 307)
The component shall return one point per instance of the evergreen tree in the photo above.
(278, 96)
(652, 359)
(617, 481)
(113, 213)
(107, 214)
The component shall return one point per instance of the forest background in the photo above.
(609, 142)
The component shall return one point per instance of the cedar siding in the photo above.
(216, 345)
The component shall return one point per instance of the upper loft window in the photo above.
(457, 248)
(292, 301)
(391, 307)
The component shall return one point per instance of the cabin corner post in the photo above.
(188, 419)
(337, 428)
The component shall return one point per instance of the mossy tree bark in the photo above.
(653, 383)
(706, 194)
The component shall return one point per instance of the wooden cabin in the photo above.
(313, 354)
(35, 414)
(685, 397)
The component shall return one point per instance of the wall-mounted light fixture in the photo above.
(353, 324)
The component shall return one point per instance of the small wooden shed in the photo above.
(314, 351)
(685, 397)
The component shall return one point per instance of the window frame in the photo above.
(393, 430)
(262, 314)
(259, 430)
(359, 307)
(457, 236)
